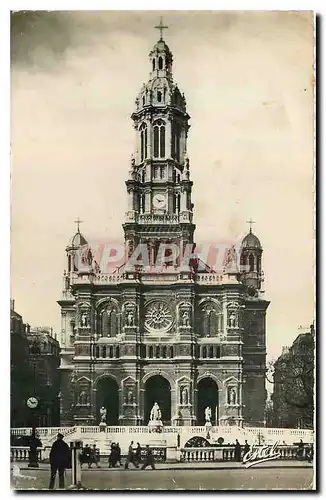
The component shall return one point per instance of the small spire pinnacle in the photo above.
(161, 27)
(251, 222)
(78, 222)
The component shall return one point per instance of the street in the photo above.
(297, 478)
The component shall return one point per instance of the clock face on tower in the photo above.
(159, 200)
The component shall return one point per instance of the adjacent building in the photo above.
(21, 375)
(35, 358)
(182, 335)
(294, 379)
(44, 358)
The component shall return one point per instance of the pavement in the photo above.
(188, 466)
(202, 476)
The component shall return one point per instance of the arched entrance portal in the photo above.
(158, 390)
(207, 395)
(107, 395)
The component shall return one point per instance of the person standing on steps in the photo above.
(131, 457)
(149, 459)
(59, 461)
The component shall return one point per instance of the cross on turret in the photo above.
(251, 222)
(161, 27)
(78, 222)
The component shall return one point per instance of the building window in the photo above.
(104, 352)
(160, 63)
(150, 354)
(117, 352)
(176, 133)
(143, 142)
(144, 101)
(111, 352)
(159, 139)
(159, 96)
(251, 262)
(153, 64)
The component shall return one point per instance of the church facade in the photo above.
(162, 328)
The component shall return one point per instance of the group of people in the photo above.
(60, 458)
(115, 455)
(134, 457)
(90, 456)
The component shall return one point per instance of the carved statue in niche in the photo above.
(184, 396)
(232, 396)
(130, 319)
(84, 319)
(129, 399)
(232, 319)
(185, 319)
(83, 398)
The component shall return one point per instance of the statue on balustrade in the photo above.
(103, 415)
(155, 415)
(208, 414)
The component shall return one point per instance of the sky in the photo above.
(248, 82)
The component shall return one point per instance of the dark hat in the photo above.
(60, 436)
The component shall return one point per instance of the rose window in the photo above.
(158, 317)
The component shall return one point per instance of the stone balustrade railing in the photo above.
(274, 433)
(21, 453)
(227, 453)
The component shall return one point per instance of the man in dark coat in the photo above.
(118, 454)
(149, 459)
(237, 451)
(59, 461)
(138, 454)
(246, 448)
(131, 457)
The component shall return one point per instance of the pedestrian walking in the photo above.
(59, 461)
(138, 453)
(131, 457)
(118, 449)
(300, 450)
(246, 448)
(149, 459)
(237, 451)
(95, 457)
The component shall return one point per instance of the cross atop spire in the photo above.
(161, 27)
(251, 222)
(78, 222)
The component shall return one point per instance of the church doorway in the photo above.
(107, 395)
(207, 395)
(158, 390)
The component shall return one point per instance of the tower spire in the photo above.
(161, 27)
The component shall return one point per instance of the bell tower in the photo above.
(160, 209)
